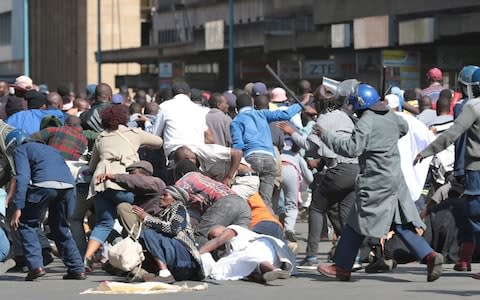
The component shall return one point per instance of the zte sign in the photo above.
(319, 68)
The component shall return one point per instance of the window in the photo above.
(202, 68)
(5, 28)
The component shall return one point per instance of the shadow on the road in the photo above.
(385, 278)
(355, 277)
(448, 292)
(11, 278)
(457, 274)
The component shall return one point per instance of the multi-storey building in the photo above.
(306, 39)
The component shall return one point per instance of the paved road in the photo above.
(407, 282)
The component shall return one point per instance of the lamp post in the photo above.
(231, 63)
(99, 41)
(26, 34)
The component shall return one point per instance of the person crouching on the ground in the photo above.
(382, 194)
(147, 191)
(209, 202)
(168, 237)
(43, 182)
(249, 254)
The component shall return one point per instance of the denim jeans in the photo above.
(290, 186)
(60, 204)
(269, 228)
(229, 210)
(16, 239)
(76, 219)
(170, 252)
(105, 204)
(4, 245)
(349, 243)
(467, 217)
(265, 166)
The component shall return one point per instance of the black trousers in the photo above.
(333, 195)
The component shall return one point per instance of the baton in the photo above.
(284, 86)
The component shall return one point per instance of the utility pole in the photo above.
(231, 63)
(99, 41)
(26, 37)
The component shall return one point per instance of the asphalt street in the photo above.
(406, 282)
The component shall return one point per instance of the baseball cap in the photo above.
(435, 74)
(258, 89)
(117, 99)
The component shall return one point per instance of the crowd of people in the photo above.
(212, 184)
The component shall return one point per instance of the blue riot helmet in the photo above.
(465, 80)
(16, 137)
(364, 97)
(475, 84)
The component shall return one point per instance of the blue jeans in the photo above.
(76, 219)
(265, 166)
(4, 245)
(60, 204)
(349, 243)
(467, 217)
(172, 253)
(269, 228)
(105, 204)
(290, 186)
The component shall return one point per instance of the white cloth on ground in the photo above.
(245, 252)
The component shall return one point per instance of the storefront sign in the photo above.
(402, 68)
(165, 70)
(319, 68)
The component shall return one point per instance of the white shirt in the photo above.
(215, 160)
(180, 122)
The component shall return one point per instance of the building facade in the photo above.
(11, 39)
(63, 40)
(152, 43)
(365, 39)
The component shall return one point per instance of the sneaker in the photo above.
(331, 271)
(434, 263)
(309, 262)
(290, 236)
(357, 266)
(7, 265)
(275, 274)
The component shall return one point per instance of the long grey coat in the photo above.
(382, 194)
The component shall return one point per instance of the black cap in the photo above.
(180, 87)
(196, 95)
(35, 99)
